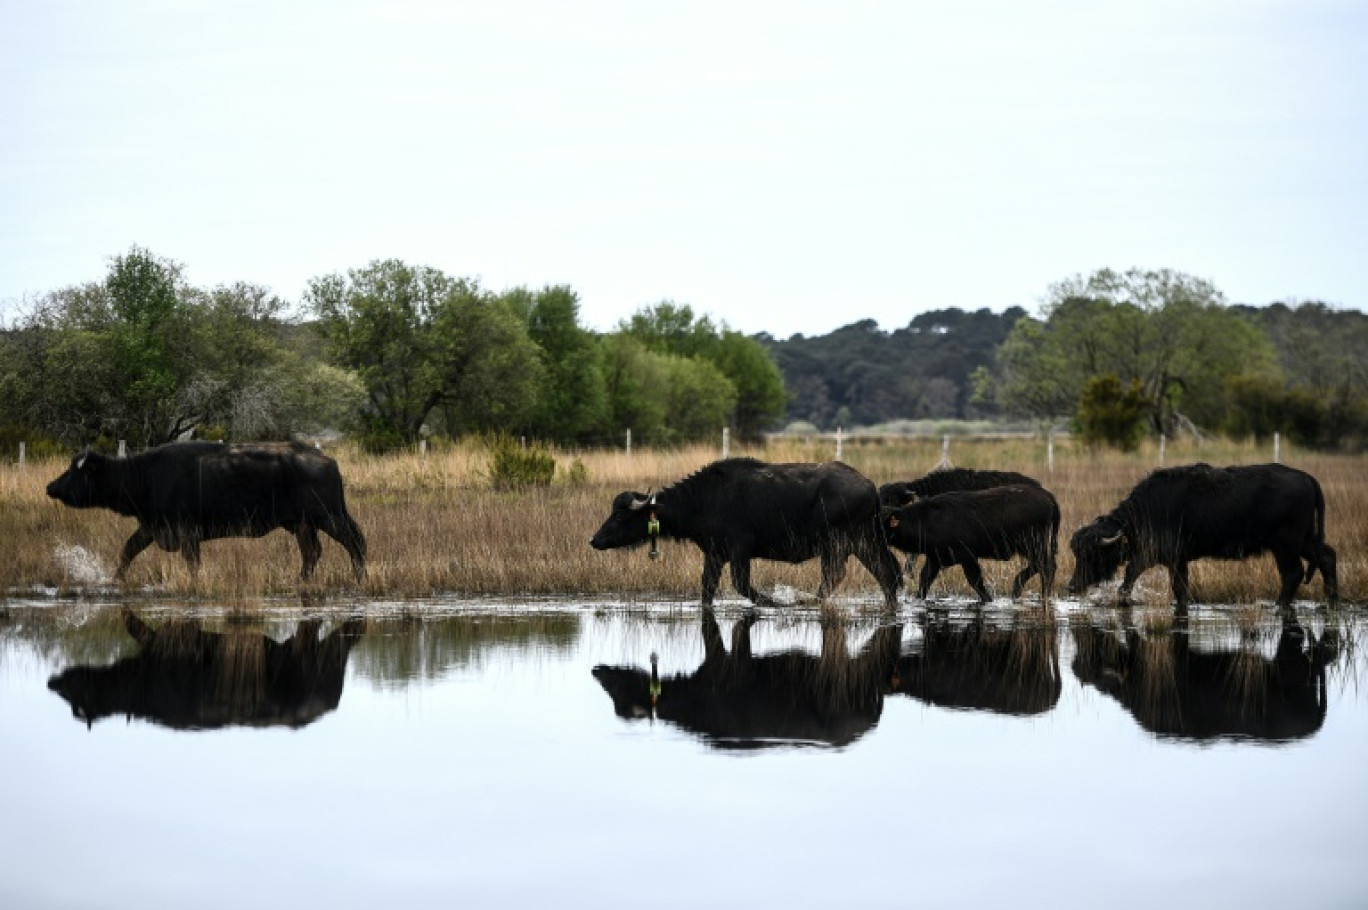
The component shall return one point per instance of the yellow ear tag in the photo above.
(893, 521)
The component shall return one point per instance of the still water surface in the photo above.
(515, 754)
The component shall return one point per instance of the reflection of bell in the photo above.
(655, 682)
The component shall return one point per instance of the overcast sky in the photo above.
(785, 166)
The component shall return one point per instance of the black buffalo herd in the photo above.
(740, 509)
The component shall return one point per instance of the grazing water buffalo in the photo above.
(747, 701)
(1176, 515)
(1236, 693)
(188, 492)
(741, 509)
(962, 528)
(188, 679)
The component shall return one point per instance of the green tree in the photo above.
(419, 339)
(573, 402)
(758, 385)
(1170, 333)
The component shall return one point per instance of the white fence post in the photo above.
(21, 454)
(1049, 451)
(629, 443)
(839, 440)
(123, 449)
(945, 452)
(1163, 441)
(1277, 448)
(422, 447)
(726, 442)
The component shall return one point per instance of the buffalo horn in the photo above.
(1115, 538)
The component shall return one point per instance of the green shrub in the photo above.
(1112, 415)
(515, 467)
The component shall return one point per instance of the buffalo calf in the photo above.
(960, 528)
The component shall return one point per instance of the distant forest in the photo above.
(391, 353)
(860, 375)
(1112, 355)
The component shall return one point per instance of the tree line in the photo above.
(391, 352)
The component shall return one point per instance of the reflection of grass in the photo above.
(434, 525)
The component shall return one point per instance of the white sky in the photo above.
(786, 166)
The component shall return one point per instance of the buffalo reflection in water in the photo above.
(188, 679)
(1176, 691)
(743, 700)
(1012, 669)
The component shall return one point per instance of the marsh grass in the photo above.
(435, 525)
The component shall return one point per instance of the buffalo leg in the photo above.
(883, 565)
(741, 580)
(1329, 570)
(833, 571)
(1182, 588)
(1290, 568)
(309, 548)
(1021, 578)
(140, 540)
(973, 574)
(1047, 577)
(930, 569)
(1134, 569)
(712, 577)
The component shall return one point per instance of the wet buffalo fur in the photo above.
(188, 492)
(1177, 515)
(741, 509)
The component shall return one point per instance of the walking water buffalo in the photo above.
(744, 700)
(741, 509)
(1230, 692)
(946, 480)
(188, 679)
(1176, 515)
(188, 492)
(962, 528)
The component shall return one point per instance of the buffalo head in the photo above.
(1099, 549)
(82, 485)
(628, 524)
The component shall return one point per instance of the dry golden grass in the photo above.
(435, 526)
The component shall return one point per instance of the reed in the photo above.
(436, 525)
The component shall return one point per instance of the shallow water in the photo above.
(511, 754)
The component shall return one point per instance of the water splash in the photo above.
(81, 565)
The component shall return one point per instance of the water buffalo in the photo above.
(1233, 693)
(976, 666)
(188, 679)
(962, 528)
(947, 480)
(741, 509)
(188, 492)
(741, 700)
(1176, 515)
